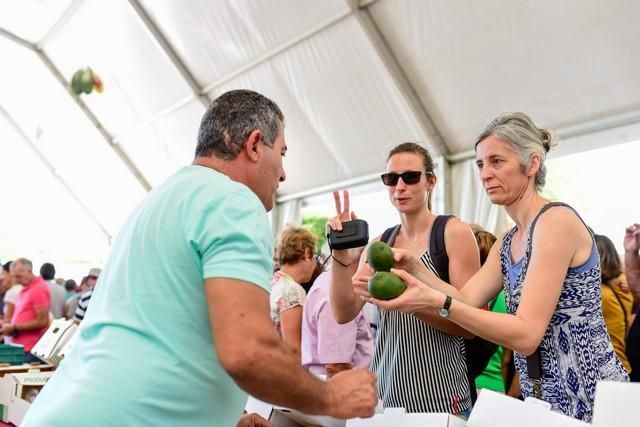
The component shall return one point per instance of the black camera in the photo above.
(354, 234)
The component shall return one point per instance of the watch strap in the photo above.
(447, 303)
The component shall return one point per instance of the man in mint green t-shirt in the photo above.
(178, 328)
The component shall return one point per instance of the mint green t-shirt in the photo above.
(145, 354)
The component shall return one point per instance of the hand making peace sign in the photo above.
(343, 214)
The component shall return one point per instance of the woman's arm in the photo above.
(344, 264)
(346, 304)
(291, 328)
(560, 240)
(464, 262)
(481, 288)
(632, 258)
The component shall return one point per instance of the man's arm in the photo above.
(632, 258)
(41, 321)
(251, 352)
(9, 308)
(334, 368)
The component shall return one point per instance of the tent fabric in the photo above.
(354, 78)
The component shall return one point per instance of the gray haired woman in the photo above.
(548, 267)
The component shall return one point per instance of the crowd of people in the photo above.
(29, 302)
(215, 320)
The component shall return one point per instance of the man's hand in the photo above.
(352, 394)
(253, 420)
(7, 329)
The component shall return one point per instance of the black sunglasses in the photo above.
(410, 177)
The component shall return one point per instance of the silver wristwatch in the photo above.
(444, 311)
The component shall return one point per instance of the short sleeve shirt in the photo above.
(286, 293)
(145, 347)
(32, 297)
(325, 341)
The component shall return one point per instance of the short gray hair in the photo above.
(23, 262)
(231, 118)
(524, 138)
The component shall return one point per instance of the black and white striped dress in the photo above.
(419, 367)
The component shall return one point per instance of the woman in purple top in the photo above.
(327, 346)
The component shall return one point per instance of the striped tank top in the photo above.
(419, 368)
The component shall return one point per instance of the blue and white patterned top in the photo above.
(576, 351)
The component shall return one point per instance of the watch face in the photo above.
(443, 312)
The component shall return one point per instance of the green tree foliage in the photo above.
(316, 224)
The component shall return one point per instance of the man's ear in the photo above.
(251, 145)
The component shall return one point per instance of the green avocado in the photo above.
(380, 256)
(76, 82)
(385, 285)
(82, 81)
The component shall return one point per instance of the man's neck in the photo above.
(33, 280)
(231, 168)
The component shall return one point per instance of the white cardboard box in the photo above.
(18, 390)
(397, 417)
(498, 410)
(284, 417)
(615, 404)
(394, 417)
(52, 345)
(295, 418)
(7, 389)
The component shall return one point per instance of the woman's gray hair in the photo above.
(524, 138)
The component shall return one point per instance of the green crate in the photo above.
(11, 354)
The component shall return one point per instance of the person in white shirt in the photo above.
(57, 292)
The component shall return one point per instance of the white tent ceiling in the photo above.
(353, 79)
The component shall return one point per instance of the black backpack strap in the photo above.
(389, 235)
(437, 247)
(478, 351)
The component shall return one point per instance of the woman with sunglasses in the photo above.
(548, 267)
(419, 360)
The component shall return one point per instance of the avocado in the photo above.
(86, 80)
(380, 256)
(82, 81)
(76, 83)
(385, 285)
